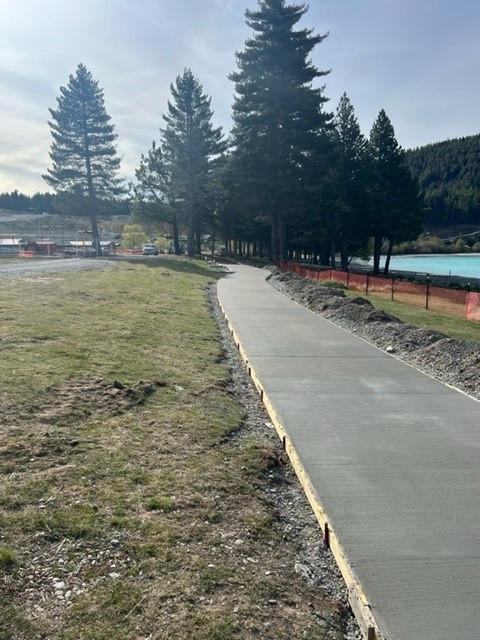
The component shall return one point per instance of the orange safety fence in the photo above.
(356, 282)
(128, 252)
(450, 301)
(411, 293)
(473, 306)
(457, 302)
(413, 288)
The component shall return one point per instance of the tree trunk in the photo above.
(274, 239)
(92, 202)
(176, 243)
(190, 233)
(344, 254)
(332, 253)
(97, 247)
(324, 255)
(387, 260)
(377, 248)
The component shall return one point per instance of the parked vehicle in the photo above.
(150, 250)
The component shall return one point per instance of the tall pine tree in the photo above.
(155, 197)
(189, 144)
(396, 213)
(175, 174)
(277, 115)
(351, 179)
(83, 153)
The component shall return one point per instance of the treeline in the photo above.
(293, 180)
(57, 204)
(15, 201)
(449, 175)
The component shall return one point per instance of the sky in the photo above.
(419, 60)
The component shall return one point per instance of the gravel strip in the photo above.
(32, 267)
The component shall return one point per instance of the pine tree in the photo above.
(449, 174)
(175, 174)
(395, 212)
(83, 153)
(351, 178)
(154, 195)
(189, 144)
(277, 115)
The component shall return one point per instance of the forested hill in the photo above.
(449, 175)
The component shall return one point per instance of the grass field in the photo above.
(130, 508)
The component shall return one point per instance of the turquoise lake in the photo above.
(465, 265)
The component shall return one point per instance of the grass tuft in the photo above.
(160, 503)
(7, 559)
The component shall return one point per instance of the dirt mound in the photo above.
(82, 398)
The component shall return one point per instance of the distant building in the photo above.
(46, 246)
(12, 245)
(85, 247)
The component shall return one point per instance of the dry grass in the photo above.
(129, 508)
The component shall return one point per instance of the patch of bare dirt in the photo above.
(86, 397)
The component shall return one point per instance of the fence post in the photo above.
(427, 292)
(393, 286)
(348, 278)
(366, 286)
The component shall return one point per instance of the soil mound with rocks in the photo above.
(453, 362)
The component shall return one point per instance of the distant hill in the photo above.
(449, 176)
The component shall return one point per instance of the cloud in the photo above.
(418, 61)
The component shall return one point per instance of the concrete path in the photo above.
(391, 457)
